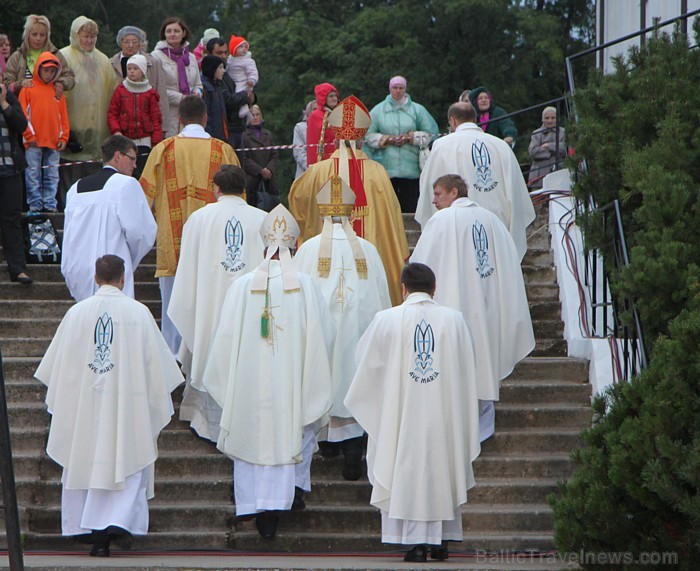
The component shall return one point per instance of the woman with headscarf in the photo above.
(400, 128)
(486, 111)
(319, 137)
(299, 139)
(180, 67)
(546, 147)
(36, 39)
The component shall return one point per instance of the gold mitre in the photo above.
(335, 198)
(350, 119)
(279, 228)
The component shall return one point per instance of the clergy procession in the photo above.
(289, 329)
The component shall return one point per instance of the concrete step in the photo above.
(561, 368)
(540, 391)
(371, 553)
(40, 291)
(535, 466)
(545, 310)
(532, 440)
(542, 292)
(248, 539)
(549, 415)
(550, 348)
(56, 309)
(52, 272)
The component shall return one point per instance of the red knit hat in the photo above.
(234, 42)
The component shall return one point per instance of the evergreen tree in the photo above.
(639, 132)
(638, 477)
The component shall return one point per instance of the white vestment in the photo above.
(352, 303)
(115, 220)
(270, 388)
(220, 243)
(477, 272)
(109, 375)
(415, 394)
(492, 173)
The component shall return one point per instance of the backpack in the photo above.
(40, 240)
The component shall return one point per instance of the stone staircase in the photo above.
(544, 404)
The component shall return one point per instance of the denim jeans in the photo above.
(42, 183)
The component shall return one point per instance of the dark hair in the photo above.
(418, 278)
(450, 181)
(192, 109)
(211, 44)
(109, 269)
(230, 179)
(463, 111)
(180, 22)
(116, 143)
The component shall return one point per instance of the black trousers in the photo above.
(407, 190)
(10, 226)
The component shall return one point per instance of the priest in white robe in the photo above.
(478, 273)
(269, 370)
(489, 167)
(109, 375)
(415, 394)
(351, 277)
(106, 213)
(220, 243)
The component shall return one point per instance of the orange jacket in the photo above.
(46, 115)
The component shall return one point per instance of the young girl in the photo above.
(241, 68)
(212, 73)
(134, 111)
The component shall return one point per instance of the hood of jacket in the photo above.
(41, 60)
(322, 90)
(78, 23)
(474, 93)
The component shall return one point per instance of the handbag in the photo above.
(265, 200)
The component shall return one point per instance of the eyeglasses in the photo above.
(134, 158)
(130, 42)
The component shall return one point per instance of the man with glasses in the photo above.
(106, 213)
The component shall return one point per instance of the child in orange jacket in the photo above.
(46, 135)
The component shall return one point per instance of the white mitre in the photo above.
(279, 232)
(337, 199)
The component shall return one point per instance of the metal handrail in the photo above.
(7, 479)
(632, 338)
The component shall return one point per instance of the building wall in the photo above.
(617, 18)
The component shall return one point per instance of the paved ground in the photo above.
(230, 561)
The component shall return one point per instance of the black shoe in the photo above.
(266, 522)
(22, 278)
(419, 554)
(352, 467)
(298, 503)
(100, 550)
(121, 537)
(439, 552)
(328, 449)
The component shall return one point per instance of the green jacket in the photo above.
(500, 129)
(388, 118)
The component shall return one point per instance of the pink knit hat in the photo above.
(397, 80)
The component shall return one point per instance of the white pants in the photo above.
(167, 327)
(85, 510)
(257, 488)
(487, 419)
(412, 532)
